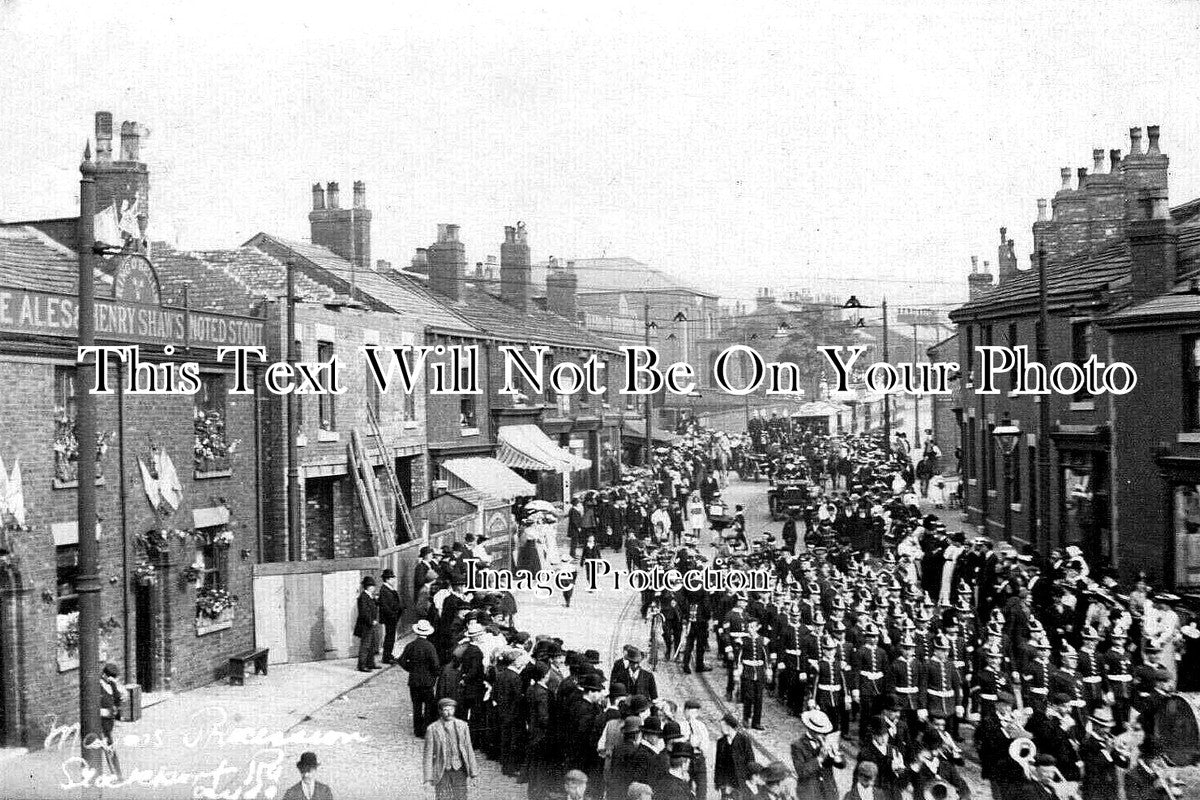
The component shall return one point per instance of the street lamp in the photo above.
(852, 302)
(1007, 435)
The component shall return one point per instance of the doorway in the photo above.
(318, 517)
(143, 620)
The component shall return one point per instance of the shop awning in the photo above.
(490, 477)
(637, 429)
(528, 447)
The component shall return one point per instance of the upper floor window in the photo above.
(1191, 383)
(1081, 351)
(466, 413)
(213, 447)
(325, 401)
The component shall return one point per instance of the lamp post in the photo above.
(1007, 435)
(1042, 513)
(853, 302)
(87, 584)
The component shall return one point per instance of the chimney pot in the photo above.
(360, 194)
(331, 195)
(1097, 160)
(1003, 234)
(131, 147)
(1135, 141)
(104, 134)
(1114, 161)
(974, 263)
(1082, 172)
(452, 233)
(1065, 172)
(1041, 207)
(318, 197)
(1152, 135)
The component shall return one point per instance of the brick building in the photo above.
(166, 561)
(1098, 234)
(561, 443)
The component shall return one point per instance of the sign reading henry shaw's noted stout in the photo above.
(46, 314)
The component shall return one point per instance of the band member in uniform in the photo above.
(906, 680)
(869, 671)
(832, 697)
(753, 661)
(943, 692)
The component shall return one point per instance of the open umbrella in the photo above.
(541, 505)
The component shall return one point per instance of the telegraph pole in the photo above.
(87, 585)
(916, 397)
(1043, 459)
(293, 425)
(887, 397)
(649, 397)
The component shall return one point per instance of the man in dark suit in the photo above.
(734, 756)
(365, 625)
(390, 609)
(628, 671)
(308, 788)
(421, 570)
(420, 660)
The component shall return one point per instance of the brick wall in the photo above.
(186, 660)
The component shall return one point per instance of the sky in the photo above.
(840, 147)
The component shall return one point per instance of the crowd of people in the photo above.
(897, 646)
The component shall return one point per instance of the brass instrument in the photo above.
(938, 790)
(1022, 750)
(951, 749)
(1171, 786)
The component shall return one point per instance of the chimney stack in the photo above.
(515, 268)
(420, 261)
(561, 286)
(104, 135)
(447, 263)
(1006, 259)
(977, 282)
(123, 184)
(1153, 249)
(1144, 174)
(343, 231)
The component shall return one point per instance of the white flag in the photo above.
(150, 485)
(168, 479)
(3, 488)
(107, 229)
(15, 494)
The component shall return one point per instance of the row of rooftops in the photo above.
(239, 280)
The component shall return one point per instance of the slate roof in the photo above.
(234, 281)
(604, 275)
(1105, 271)
(29, 259)
(492, 315)
(392, 291)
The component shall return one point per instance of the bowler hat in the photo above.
(632, 724)
(774, 772)
(387, 573)
(307, 761)
(618, 690)
(681, 750)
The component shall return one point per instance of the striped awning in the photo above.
(528, 447)
(489, 476)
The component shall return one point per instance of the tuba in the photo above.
(1022, 750)
(938, 790)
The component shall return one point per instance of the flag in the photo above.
(107, 229)
(15, 493)
(168, 479)
(150, 485)
(3, 488)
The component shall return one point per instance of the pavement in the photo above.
(242, 742)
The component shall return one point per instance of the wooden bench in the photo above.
(237, 665)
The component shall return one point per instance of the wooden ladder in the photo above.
(368, 494)
(389, 466)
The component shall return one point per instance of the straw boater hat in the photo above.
(817, 722)
(422, 628)
(474, 628)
